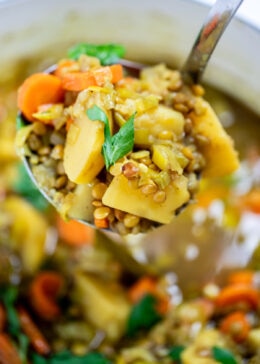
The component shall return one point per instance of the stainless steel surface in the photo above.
(215, 24)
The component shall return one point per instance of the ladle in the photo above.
(215, 23)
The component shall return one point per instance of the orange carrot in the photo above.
(142, 287)
(112, 74)
(252, 201)
(236, 325)
(74, 232)
(101, 223)
(235, 294)
(148, 285)
(44, 291)
(8, 353)
(38, 89)
(36, 338)
(66, 65)
(69, 121)
(242, 277)
(77, 81)
(2, 317)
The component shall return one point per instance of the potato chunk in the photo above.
(123, 196)
(28, 232)
(104, 306)
(221, 157)
(155, 121)
(83, 159)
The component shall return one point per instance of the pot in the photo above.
(34, 34)
(161, 31)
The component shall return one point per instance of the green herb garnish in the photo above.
(143, 316)
(24, 186)
(106, 53)
(175, 353)
(8, 296)
(118, 145)
(20, 122)
(66, 357)
(223, 356)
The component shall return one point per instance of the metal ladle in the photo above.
(215, 23)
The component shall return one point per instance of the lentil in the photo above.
(57, 152)
(131, 221)
(98, 190)
(149, 189)
(101, 212)
(39, 128)
(159, 196)
(130, 170)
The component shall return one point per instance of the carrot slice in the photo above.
(35, 336)
(44, 291)
(237, 294)
(38, 89)
(112, 74)
(101, 223)
(251, 201)
(74, 232)
(8, 353)
(148, 285)
(142, 287)
(77, 81)
(242, 277)
(236, 325)
(66, 65)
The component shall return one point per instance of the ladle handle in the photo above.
(216, 22)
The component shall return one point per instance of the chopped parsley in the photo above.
(106, 53)
(118, 145)
(66, 357)
(143, 316)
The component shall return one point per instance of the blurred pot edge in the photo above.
(157, 31)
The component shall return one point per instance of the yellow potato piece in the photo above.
(82, 153)
(123, 196)
(220, 154)
(106, 307)
(155, 121)
(28, 232)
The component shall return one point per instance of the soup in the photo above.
(67, 298)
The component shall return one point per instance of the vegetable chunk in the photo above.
(83, 158)
(221, 156)
(121, 195)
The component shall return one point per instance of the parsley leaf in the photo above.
(223, 356)
(175, 353)
(66, 357)
(117, 145)
(8, 296)
(106, 53)
(143, 316)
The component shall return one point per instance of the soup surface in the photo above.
(66, 297)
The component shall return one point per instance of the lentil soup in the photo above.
(66, 298)
(132, 148)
